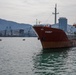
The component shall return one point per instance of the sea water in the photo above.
(25, 56)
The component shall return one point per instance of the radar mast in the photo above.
(55, 13)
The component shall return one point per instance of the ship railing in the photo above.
(41, 25)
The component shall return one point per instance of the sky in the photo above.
(27, 11)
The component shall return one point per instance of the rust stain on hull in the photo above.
(55, 44)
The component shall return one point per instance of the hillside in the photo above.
(10, 28)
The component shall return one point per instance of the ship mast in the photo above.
(55, 13)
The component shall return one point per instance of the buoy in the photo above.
(23, 39)
(0, 39)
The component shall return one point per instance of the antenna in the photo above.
(36, 21)
(55, 13)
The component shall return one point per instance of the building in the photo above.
(63, 23)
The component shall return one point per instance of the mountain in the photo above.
(10, 28)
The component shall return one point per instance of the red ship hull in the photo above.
(53, 38)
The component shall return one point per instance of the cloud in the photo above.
(28, 10)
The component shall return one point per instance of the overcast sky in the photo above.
(27, 11)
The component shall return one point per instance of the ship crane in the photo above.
(55, 13)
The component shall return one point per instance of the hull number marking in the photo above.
(48, 31)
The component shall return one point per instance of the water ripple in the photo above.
(18, 57)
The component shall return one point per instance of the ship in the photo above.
(52, 37)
